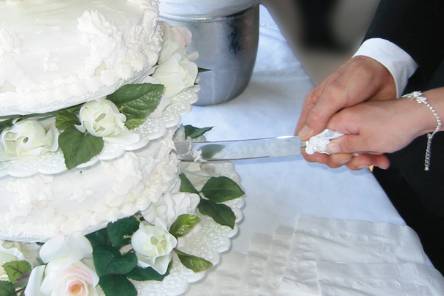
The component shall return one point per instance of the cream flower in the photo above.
(153, 246)
(29, 137)
(176, 74)
(8, 254)
(67, 272)
(176, 40)
(169, 207)
(101, 118)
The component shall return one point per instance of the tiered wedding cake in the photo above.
(91, 94)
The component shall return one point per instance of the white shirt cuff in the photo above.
(398, 62)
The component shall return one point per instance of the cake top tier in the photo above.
(59, 53)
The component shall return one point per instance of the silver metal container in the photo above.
(227, 47)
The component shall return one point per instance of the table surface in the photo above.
(279, 189)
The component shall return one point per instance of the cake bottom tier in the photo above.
(40, 207)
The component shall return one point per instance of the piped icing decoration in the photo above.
(82, 51)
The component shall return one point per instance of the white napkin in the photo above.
(350, 241)
(352, 279)
(331, 257)
(328, 257)
(204, 7)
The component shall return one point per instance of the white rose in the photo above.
(8, 254)
(101, 118)
(153, 246)
(66, 272)
(169, 207)
(175, 40)
(176, 74)
(29, 137)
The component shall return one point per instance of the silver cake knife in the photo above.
(247, 149)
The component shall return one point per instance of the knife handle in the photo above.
(319, 143)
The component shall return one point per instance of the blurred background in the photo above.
(323, 33)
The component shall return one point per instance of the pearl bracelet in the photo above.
(419, 97)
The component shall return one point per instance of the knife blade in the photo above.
(252, 148)
(239, 149)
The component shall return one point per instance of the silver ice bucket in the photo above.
(227, 47)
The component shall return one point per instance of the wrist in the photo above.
(424, 100)
(418, 118)
(381, 77)
(436, 99)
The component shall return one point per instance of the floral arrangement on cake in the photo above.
(142, 248)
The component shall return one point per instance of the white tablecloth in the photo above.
(280, 190)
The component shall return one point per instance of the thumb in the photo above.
(348, 144)
(316, 119)
(328, 101)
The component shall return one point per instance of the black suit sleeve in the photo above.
(413, 25)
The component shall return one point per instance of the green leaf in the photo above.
(195, 132)
(220, 213)
(99, 238)
(7, 289)
(67, 118)
(194, 263)
(146, 274)
(183, 225)
(221, 189)
(6, 123)
(120, 232)
(137, 101)
(117, 285)
(186, 185)
(17, 270)
(110, 261)
(78, 147)
(202, 70)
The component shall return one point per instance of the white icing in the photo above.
(40, 207)
(55, 54)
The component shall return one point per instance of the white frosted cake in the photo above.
(93, 198)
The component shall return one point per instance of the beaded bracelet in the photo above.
(419, 97)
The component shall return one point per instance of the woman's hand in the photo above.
(377, 127)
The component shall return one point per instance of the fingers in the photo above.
(317, 157)
(348, 144)
(310, 102)
(381, 161)
(330, 101)
(353, 162)
(333, 161)
(366, 160)
(339, 160)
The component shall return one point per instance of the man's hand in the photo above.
(358, 80)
